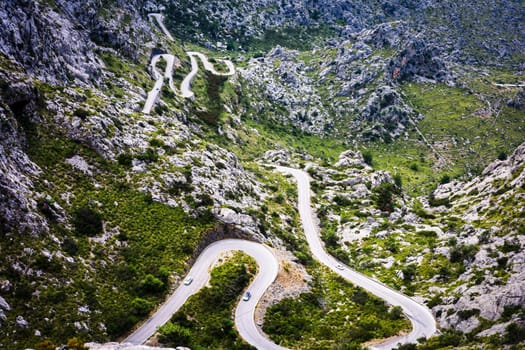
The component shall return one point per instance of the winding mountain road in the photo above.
(244, 314)
(421, 318)
(509, 85)
(159, 17)
(423, 323)
(172, 61)
(188, 80)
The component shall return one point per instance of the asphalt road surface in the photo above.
(423, 323)
(244, 314)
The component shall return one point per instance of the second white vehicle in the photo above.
(188, 281)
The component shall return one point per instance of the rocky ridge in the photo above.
(348, 87)
(468, 31)
(57, 44)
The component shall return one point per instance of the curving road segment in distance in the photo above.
(171, 62)
(244, 314)
(423, 323)
(159, 17)
(185, 87)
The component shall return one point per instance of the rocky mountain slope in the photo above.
(459, 27)
(83, 173)
(348, 87)
(459, 250)
(103, 208)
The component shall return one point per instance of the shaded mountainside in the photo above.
(471, 32)
(100, 207)
(55, 41)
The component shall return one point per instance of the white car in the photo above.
(247, 296)
(188, 281)
(340, 267)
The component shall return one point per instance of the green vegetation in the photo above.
(122, 250)
(384, 196)
(205, 321)
(87, 222)
(456, 124)
(209, 96)
(295, 38)
(134, 73)
(334, 314)
(272, 135)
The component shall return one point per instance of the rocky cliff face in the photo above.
(348, 87)
(462, 28)
(57, 43)
(18, 212)
(492, 207)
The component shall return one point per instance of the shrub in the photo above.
(462, 253)
(87, 222)
(466, 314)
(409, 272)
(384, 196)
(141, 307)
(342, 201)
(449, 338)
(514, 334)
(125, 159)
(368, 157)
(392, 245)
(75, 344)
(398, 181)
(502, 155)
(45, 208)
(438, 202)
(434, 301)
(70, 246)
(178, 187)
(174, 333)
(156, 143)
(427, 233)
(502, 262)
(303, 258)
(420, 211)
(445, 179)
(149, 156)
(414, 167)
(395, 313)
(81, 113)
(508, 247)
(151, 284)
(45, 345)
(205, 200)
